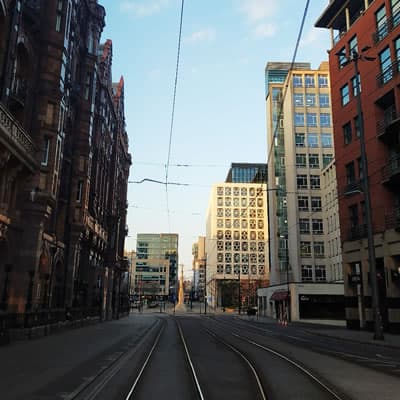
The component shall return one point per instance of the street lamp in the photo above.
(285, 236)
(354, 58)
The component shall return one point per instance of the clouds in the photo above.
(143, 8)
(259, 14)
(207, 34)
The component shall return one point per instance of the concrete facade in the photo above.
(300, 142)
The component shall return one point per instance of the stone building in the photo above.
(64, 160)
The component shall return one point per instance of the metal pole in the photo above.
(240, 298)
(205, 287)
(367, 198)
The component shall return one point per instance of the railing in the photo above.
(388, 74)
(392, 219)
(16, 133)
(386, 28)
(391, 115)
(391, 169)
(357, 232)
(352, 188)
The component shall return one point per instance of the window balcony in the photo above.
(357, 232)
(391, 172)
(14, 137)
(386, 28)
(388, 74)
(387, 128)
(392, 219)
(352, 188)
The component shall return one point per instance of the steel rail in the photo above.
(105, 374)
(295, 364)
(134, 385)
(198, 388)
(247, 361)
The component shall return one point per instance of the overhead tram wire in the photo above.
(173, 113)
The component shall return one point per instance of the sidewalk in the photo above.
(390, 340)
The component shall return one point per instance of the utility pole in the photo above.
(378, 328)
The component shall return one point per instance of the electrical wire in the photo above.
(173, 113)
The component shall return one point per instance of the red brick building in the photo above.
(369, 30)
(64, 161)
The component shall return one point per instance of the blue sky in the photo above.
(220, 103)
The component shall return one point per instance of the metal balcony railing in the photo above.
(392, 219)
(391, 169)
(357, 232)
(388, 74)
(385, 28)
(352, 188)
(391, 115)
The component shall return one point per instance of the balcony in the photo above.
(392, 219)
(357, 232)
(16, 140)
(386, 28)
(391, 172)
(352, 188)
(388, 127)
(388, 74)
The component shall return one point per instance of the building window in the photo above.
(309, 80)
(342, 57)
(302, 203)
(317, 227)
(395, 5)
(313, 160)
(350, 173)
(357, 126)
(353, 216)
(323, 81)
(315, 182)
(324, 100)
(45, 151)
(59, 15)
(297, 80)
(310, 100)
(316, 203)
(320, 273)
(306, 273)
(299, 119)
(312, 140)
(298, 99)
(326, 140)
(353, 45)
(356, 83)
(311, 119)
(381, 23)
(347, 135)
(319, 249)
(360, 169)
(220, 212)
(386, 65)
(304, 224)
(344, 94)
(305, 249)
(79, 191)
(301, 161)
(302, 182)
(326, 159)
(300, 140)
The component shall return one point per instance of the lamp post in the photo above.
(240, 298)
(354, 58)
(285, 236)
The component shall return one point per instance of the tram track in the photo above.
(330, 390)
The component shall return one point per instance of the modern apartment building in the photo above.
(364, 69)
(199, 268)
(64, 161)
(300, 143)
(156, 271)
(237, 237)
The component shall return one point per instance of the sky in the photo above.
(220, 97)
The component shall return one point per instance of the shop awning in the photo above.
(279, 295)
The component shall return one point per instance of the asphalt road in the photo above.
(231, 358)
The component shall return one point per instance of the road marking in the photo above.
(297, 338)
